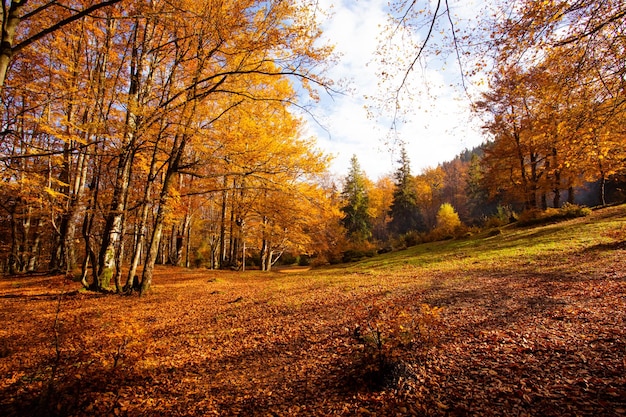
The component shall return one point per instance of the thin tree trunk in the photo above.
(264, 251)
(603, 189)
(232, 242)
(66, 256)
(119, 253)
(222, 248)
(142, 227)
(90, 254)
(14, 256)
(155, 240)
(113, 227)
(33, 253)
(556, 201)
(188, 244)
(265, 247)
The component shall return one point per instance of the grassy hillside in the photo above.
(531, 321)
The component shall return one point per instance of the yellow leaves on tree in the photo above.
(447, 220)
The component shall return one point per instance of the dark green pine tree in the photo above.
(356, 219)
(404, 211)
(478, 197)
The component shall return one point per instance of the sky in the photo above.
(439, 124)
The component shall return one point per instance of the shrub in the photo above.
(504, 215)
(390, 338)
(568, 211)
(385, 249)
(571, 211)
(494, 232)
(411, 238)
(304, 260)
(288, 258)
(532, 216)
(353, 255)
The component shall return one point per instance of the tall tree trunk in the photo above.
(143, 221)
(33, 251)
(157, 232)
(188, 242)
(243, 245)
(264, 251)
(556, 201)
(265, 246)
(534, 182)
(90, 253)
(9, 29)
(603, 189)
(14, 256)
(76, 178)
(528, 200)
(119, 253)
(222, 249)
(64, 258)
(113, 226)
(232, 239)
(153, 249)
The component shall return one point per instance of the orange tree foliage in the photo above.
(557, 78)
(553, 127)
(381, 196)
(556, 100)
(42, 18)
(130, 111)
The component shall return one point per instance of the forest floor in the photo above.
(531, 321)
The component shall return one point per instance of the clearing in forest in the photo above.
(531, 321)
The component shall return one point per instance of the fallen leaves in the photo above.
(538, 339)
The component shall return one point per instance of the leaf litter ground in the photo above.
(528, 322)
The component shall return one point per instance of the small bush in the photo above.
(503, 216)
(571, 211)
(288, 259)
(385, 249)
(494, 232)
(532, 216)
(412, 238)
(353, 255)
(304, 260)
(568, 211)
(390, 338)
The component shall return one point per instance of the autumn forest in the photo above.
(147, 139)
(143, 133)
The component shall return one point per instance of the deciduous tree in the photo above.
(17, 12)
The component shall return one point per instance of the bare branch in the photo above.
(419, 53)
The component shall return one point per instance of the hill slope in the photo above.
(528, 322)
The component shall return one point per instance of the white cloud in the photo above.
(436, 128)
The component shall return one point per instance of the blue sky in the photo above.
(438, 123)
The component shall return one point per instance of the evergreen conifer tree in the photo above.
(404, 212)
(357, 219)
